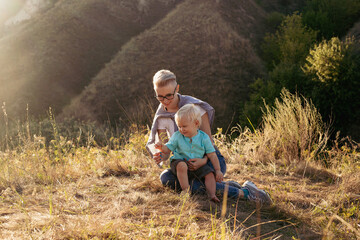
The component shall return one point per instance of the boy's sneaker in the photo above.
(257, 195)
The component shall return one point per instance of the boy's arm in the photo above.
(215, 162)
(170, 146)
(163, 139)
(162, 147)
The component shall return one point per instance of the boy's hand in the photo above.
(158, 157)
(219, 176)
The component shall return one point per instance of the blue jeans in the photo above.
(168, 179)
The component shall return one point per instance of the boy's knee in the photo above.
(182, 166)
(210, 175)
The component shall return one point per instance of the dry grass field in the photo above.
(66, 190)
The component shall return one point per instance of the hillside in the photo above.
(198, 40)
(49, 59)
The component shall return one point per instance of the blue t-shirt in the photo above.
(188, 148)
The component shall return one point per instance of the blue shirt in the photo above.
(188, 148)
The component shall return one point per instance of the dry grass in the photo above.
(310, 178)
(67, 191)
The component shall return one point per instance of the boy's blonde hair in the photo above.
(189, 111)
(163, 77)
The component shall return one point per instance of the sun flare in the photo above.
(9, 8)
(4, 6)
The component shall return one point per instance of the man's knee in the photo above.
(167, 178)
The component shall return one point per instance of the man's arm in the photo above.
(163, 135)
(205, 126)
(215, 162)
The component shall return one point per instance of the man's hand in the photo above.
(196, 163)
(219, 176)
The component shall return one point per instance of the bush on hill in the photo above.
(332, 18)
(290, 44)
(333, 66)
(329, 78)
(283, 51)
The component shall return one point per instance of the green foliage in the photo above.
(289, 76)
(274, 20)
(327, 73)
(289, 44)
(324, 60)
(283, 52)
(334, 68)
(252, 109)
(284, 75)
(331, 17)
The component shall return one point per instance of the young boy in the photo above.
(188, 143)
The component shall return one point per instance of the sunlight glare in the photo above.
(7, 8)
(4, 6)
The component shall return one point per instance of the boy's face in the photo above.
(167, 95)
(186, 127)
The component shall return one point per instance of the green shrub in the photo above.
(324, 60)
(274, 20)
(283, 52)
(285, 75)
(331, 17)
(334, 68)
(290, 44)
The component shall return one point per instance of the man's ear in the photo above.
(178, 88)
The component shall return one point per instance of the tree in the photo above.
(331, 17)
(333, 66)
(324, 60)
(290, 44)
(284, 52)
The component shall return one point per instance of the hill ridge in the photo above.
(188, 41)
(49, 60)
